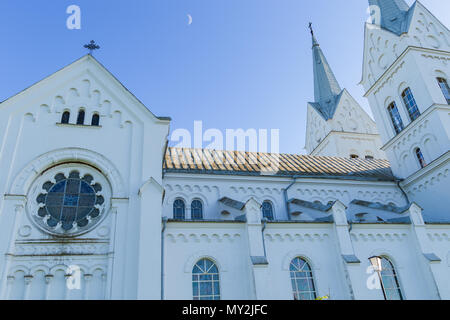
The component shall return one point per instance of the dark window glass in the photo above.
(205, 281)
(80, 119)
(395, 117)
(179, 209)
(410, 104)
(302, 280)
(196, 210)
(445, 89)
(389, 278)
(420, 158)
(69, 201)
(65, 117)
(267, 210)
(354, 156)
(95, 120)
(369, 158)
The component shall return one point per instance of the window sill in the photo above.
(59, 124)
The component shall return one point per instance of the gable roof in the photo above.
(206, 161)
(87, 57)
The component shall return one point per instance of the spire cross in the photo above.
(92, 46)
(310, 28)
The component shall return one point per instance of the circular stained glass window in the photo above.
(70, 202)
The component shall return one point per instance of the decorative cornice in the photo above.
(419, 121)
(431, 169)
(397, 61)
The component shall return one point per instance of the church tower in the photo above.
(406, 75)
(336, 123)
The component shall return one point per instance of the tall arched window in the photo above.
(267, 210)
(179, 209)
(95, 119)
(420, 158)
(205, 281)
(65, 117)
(302, 280)
(389, 279)
(395, 117)
(80, 119)
(196, 210)
(445, 89)
(410, 104)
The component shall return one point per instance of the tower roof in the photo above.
(326, 88)
(394, 15)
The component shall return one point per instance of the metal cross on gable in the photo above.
(92, 46)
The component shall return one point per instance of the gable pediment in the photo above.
(351, 117)
(83, 84)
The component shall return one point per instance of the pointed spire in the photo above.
(314, 40)
(392, 15)
(326, 87)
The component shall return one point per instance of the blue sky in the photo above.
(240, 64)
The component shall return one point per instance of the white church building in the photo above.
(95, 205)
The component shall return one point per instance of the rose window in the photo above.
(69, 202)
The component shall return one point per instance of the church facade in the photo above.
(104, 209)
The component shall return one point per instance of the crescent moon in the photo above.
(190, 19)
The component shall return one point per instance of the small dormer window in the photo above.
(80, 119)
(354, 156)
(95, 120)
(65, 117)
(369, 158)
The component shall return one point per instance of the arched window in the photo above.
(267, 210)
(389, 280)
(445, 89)
(179, 209)
(205, 281)
(196, 210)
(420, 158)
(80, 119)
(395, 117)
(65, 117)
(95, 119)
(410, 104)
(302, 280)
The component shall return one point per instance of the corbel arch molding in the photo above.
(32, 170)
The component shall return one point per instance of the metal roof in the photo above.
(395, 15)
(206, 161)
(327, 90)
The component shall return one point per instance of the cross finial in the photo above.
(92, 46)
(310, 28)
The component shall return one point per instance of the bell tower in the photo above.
(336, 123)
(406, 77)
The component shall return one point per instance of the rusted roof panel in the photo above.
(204, 161)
